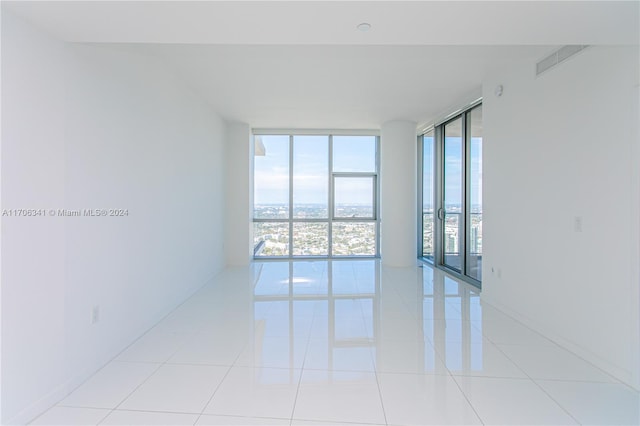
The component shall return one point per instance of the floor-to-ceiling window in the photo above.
(451, 205)
(428, 195)
(315, 195)
(451, 194)
(474, 194)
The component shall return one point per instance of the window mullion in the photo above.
(290, 195)
(331, 199)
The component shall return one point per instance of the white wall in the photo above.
(238, 242)
(398, 189)
(94, 127)
(33, 262)
(557, 147)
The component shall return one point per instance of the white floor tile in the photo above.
(596, 403)
(296, 422)
(177, 388)
(324, 354)
(320, 327)
(207, 349)
(502, 329)
(410, 399)
(120, 417)
(432, 311)
(339, 397)
(553, 362)
(274, 352)
(182, 321)
(71, 416)
(155, 346)
(512, 401)
(349, 328)
(408, 356)
(397, 328)
(452, 330)
(256, 392)
(478, 359)
(208, 419)
(395, 346)
(283, 326)
(110, 386)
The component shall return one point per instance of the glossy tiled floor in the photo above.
(312, 343)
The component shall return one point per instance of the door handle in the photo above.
(441, 213)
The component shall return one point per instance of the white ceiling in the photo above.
(303, 64)
(334, 22)
(337, 87)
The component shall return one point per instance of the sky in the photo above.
(453, 172)
(311, 169)
(350, 154)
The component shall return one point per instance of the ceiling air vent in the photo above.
(558, 56)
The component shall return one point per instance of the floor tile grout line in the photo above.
(384, 412)
(105, 417)
(133, 410)
(592, 382)
(612, 382)
(304, 361)
(341, 422)
(64, 406)
(193, 294)
(566, 410)
(468, 400)
(217, 388)
(304, 367)
(133, 391)
(244, 417)
(464, 395)
(114, 359)
(554, 344)
(375, 372)
(540, 387)
(160, 365)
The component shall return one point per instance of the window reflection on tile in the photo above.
(343, 278)
(336, 313)
(310, 278)
(365, 273)
(430, 358)
(427, 281)
(338, 340)
(274, 376)
(451, 287)
(271, 278)
(304, 308)
(447, 309)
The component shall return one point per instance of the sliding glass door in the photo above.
(428, 195)
(474, 194)
(451, 208)
(451, 191)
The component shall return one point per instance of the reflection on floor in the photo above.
(344, 342)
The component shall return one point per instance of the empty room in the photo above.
(320, 212)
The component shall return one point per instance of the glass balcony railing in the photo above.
(452, 234)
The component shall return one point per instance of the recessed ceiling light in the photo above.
(364, 27)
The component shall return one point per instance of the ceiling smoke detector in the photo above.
(364, 27)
